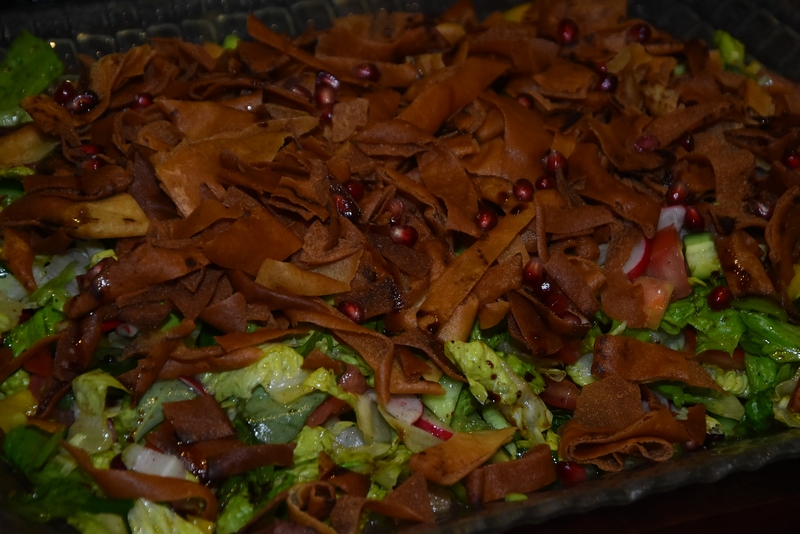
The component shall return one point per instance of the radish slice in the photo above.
(150, 462)
(193, 383)
(640, 258)
(407, 408)
(673, 215)
(434, 428)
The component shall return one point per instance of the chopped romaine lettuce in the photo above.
(279, 372)
(723, 404)
(716, 330)
(581, 371)
(732, 381)
(54, 291)
(443, 406)
(139, 420)
(90, 430)
(466, 417)
(483, 369)
(87, 523)
(276, 422)
(42, 324)
(768, 336)
(762, 372)
(28, 68)
(150, 518)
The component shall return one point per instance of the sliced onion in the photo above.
(672, 215)
(144, 460)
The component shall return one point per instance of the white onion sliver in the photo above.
(144, 460)
(672, 215)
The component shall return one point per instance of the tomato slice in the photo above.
(40, 365)
(562, 394)
(667, 262)
(657, 293)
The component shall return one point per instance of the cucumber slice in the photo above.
(701, 255)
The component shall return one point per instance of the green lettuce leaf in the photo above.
(716, 330)
(275, 422)
(54, 291)
(715, 402)
(90, 430)
(42, 324)
(87, 523)
(483, 369)
(139, 420)
(148, 517)
(279, 372)
(767, 336)
(28, 68)
(762, 372)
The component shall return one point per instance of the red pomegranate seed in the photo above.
(720, 298)
(346, 207)
(355, 188)
(687, 142)
(91, 148)
(486, 219)
(301, 90)
(639, 33)
(553, 161)
(677, 193)
(352, 310)
(600, 68)
(571, 472)
(64, 93)
(646, 143)
(567, 31)
(571, 318)
(523, 190)
(397, 208)
(792, 159)
(762, 209)
(691, 445)
(82, 103)
(325, 95)
(546, 182)
(544, 290)
(326, 78)
(525, 100)
(367, 71)
(693, 220)
(557, 303)
(533, 272)
(92, 164)
(109, 325)
(403, 234)
(607, 83)
(326, 113)
(143, 100)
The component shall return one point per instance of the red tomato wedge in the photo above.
(562, 394)
(40, 365)
(667, 262)
(656, 299)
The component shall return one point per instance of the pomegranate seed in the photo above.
(607, 83)
(533, 272)
(567, 31)
(646, 143)
(82, 103)
(720, 298)
(792, 159)
(571, 318)
(693, 220)
(553, 161)
(64, 93)
(326, 78)
(92, 164)
(687, 142)
(546, 182)
(691, 445)
(600, 68)
(301, 90)
(544, 290)
(367, 71)
(762, 209)
(397, 208)
(486, 219)
(403, 234)
(355, 188)
(325, 95)
(346, 207)
(326, 113)
(91, 149)
(143, 100)
(571, 472)
(525, 100)
(109, 325)
(557, 303)
(523, 190)
(677, 193)
(352, 310)
(639, 33)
